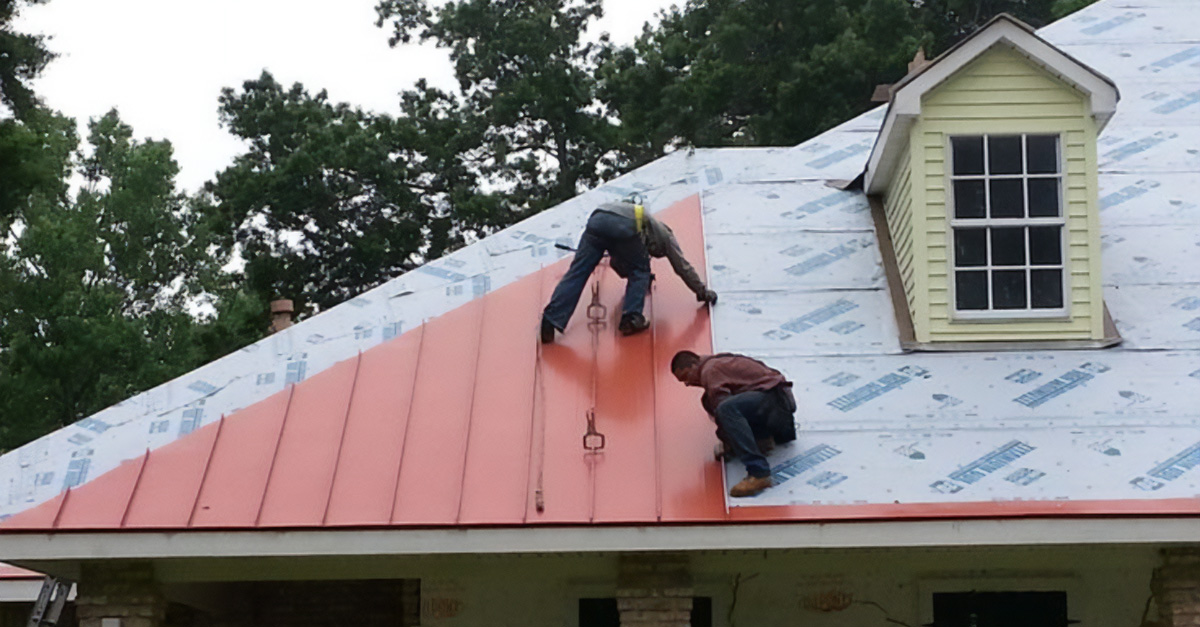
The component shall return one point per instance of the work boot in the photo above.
(750, 486)
(633, 322)
(766, 445)
(547, 330)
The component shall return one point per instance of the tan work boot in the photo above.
(750, 486)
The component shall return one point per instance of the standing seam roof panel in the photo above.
(364, 486)
(495, 471)
(237, 473)
(563, 395)
(303, 469)
(171, 481)
(38, 517)
(431, 463)
(690, 479)
(625, 477)
(107, 503)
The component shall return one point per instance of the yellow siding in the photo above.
(1000, 92)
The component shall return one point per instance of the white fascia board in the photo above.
(31, 548)
(25, 590)
(19, 590)
(885, 155)
(907, 94)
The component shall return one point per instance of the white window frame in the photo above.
(987, 223)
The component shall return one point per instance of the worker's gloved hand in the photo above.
(707, 296)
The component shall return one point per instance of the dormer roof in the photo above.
(904, 104)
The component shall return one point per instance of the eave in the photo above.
(42, 549)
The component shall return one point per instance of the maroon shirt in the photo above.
(726, 374)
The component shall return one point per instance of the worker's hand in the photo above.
(707, 296)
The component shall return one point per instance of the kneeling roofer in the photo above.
(752, 405)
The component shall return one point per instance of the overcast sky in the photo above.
(162, 63)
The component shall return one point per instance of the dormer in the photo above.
(984, 174)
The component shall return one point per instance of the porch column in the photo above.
(1176, 588)
(119, 595)
(655, 590)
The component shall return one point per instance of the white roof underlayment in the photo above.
(802, 286)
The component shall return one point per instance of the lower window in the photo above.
(604, 612)
(1008, 268)
(1000, 609)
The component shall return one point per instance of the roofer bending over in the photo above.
(630, 237)
(751, 403)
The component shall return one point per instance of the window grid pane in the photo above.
(1022, 223)
(1046, 289)
(991, 261)
(1010, 289)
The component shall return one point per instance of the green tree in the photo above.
(22, 58)
(95, 285)
(950, 20)
(1063, 8)
(754, 72)
(34, 159)
(25, 162)
(327, 200)
(777, 72)
(93, 288)
(446, 136)
(526, 77)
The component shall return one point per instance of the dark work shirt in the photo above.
(726, 374)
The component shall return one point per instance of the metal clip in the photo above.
(593, 440)
(596, 311)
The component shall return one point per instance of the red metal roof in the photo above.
(9, 573)
(468, 420)
(456, 422)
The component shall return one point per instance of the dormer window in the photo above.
(985, 195)
(1007, 224)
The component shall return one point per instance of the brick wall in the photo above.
(1176, 588)
(655, 590)
(121, 590)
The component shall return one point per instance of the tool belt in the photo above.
(781, 409)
